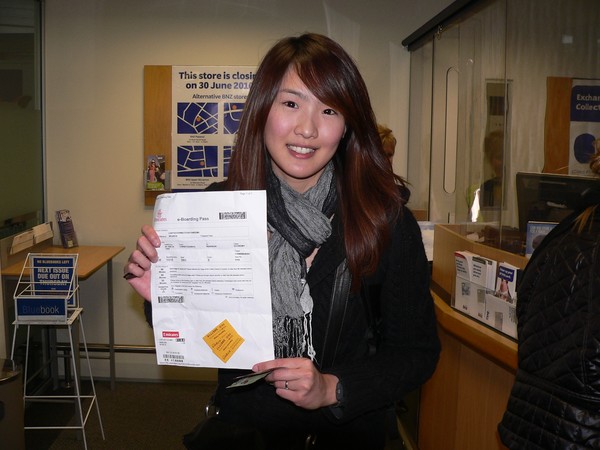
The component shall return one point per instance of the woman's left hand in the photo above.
(299, 381)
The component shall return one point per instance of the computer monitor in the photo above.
(545, 197)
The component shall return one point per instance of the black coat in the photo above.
(555, 401)
(406, 356)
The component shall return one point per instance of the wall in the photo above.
(95, 52)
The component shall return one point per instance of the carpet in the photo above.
(136, 415)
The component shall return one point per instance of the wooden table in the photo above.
(90, 260)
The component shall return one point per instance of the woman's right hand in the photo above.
(137, 269)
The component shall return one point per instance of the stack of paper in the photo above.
(465, 298)
(486, 290)
(506, 282)
(42, 232)
(484, 271)
(22, 242)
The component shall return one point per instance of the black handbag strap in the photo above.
(337, 313)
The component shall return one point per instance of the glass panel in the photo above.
(464, 59)
(20, 116)
(444, 113)
(551, 47)
(451, 128)
(520, 66)
(419, 137)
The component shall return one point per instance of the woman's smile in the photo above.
(301, 150)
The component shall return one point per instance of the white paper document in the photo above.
(211, 296)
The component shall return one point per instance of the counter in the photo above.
(463, 402)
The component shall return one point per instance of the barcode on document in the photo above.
(232, 215)
(170, 299)
(498, 319)
(512, 314)
(481, 297)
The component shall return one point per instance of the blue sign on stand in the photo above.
(46, 309)
(53, 275)
(48, 288)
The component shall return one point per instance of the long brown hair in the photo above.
(369, 193)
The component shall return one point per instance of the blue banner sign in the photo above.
(46, 309)
(54, 275)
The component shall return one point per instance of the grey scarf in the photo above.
(298, 223)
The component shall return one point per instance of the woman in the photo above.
(555, 400)
(388, 140)
(491, 190)
(308, 136)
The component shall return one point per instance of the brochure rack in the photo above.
(47, 294)
(47, 288)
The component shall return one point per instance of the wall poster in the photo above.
(585, 125)
(207, 104)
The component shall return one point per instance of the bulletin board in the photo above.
(191, 117)
(157, 118)
(572, 126)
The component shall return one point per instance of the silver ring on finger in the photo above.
(286, 387)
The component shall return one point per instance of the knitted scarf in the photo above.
(298, 223)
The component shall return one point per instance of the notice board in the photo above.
(572, 125)
(191, 117)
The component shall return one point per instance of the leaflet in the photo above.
(211, 295)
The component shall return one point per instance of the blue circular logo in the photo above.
(584, 148)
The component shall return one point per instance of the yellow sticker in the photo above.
(223, 340)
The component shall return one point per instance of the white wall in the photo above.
(95, 52)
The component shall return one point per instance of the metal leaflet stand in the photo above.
(47, 294)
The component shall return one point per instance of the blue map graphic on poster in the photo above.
(197, 118)
(227, 151)
(197, 161)
(231, 117)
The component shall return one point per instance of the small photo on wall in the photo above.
(156, 177)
